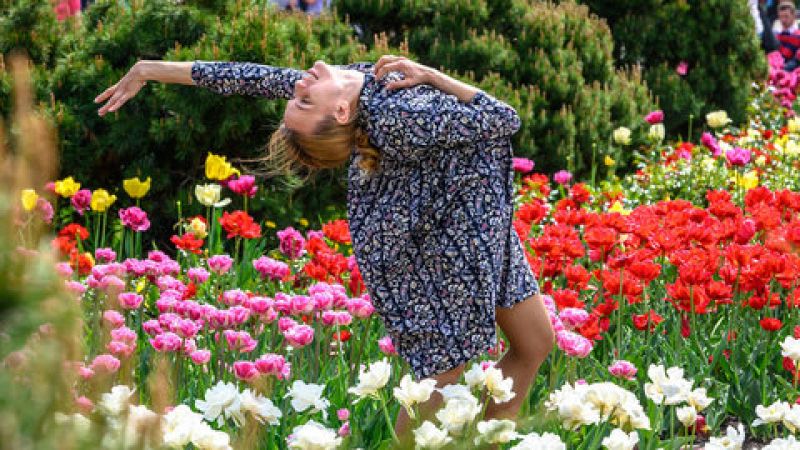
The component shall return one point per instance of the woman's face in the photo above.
(316, 96)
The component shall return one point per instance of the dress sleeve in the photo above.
(246, 78)
(431, 118)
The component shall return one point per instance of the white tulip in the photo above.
(457, 413)
(495, 431)
(620, 440)
(698, 399)
(475, 376)
(313, 436)
(717, 119)
(206, 438)
(115, 402)
(77, 422)
(222, 401)
(499, 388)
(733, 440)
(546, 441)
(687, 415)
(656, 132)
(789, 443)
(452, 391)
(791, 348)
(178, 425)
(410, 393)
(305, 396)
(209, 195)
(791, 419)
(771, 414)
(622, 136)
(260, 407)
(372, 379)
(429, 436)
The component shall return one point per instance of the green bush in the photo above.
(716, 38)
(552, 62)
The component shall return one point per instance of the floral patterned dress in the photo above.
(432, 227)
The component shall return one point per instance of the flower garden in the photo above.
(673, 292)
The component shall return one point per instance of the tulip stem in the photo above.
(388, 418)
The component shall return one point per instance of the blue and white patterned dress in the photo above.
(431, 228)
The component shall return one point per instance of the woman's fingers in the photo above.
(385, 59)
(106, 94)
(397, 66)
(404, 83)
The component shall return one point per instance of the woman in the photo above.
(430, 200)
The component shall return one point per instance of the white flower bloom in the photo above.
(499, 388)
(622, 136)
(222, 401)
(791, 418)
(260, 407)
(206, 438)
(717, 119)
(791, 348)
(656, 132)
(179, 425)
(546, 441)
(620, 440)
(585, 404)
(313, 436)
(372, 379)
(668, 388)
(115, 402)
(699, 399)
(452, 391)
(687, 415)
(771, 414)
(495, 431)
(475, 376)
(209, 195)
(789, 443)
(306, 396)
(457, 413)
(78, 422)
(429, 436)
(574, 413)
(733, 440)
(410, 393)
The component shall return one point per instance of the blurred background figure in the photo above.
(785, 30)
(67, 8)
(312, 7)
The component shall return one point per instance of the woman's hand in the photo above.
(415, 73)
(122, 91)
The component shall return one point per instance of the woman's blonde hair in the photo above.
(329, 146)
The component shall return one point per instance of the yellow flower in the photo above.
(303, 222)
(717, 119)
(270, 224)
(218, 168)
(198, 228)
(209, 195)
(67, 187)
(749, 180)
(709, 163)
(135, 187)
(622, 136)
(102, 200)
(761, 160)
(617, 208)
(792, 149)
(793, 125)
(29, 198)
(609, 161)
(141, 285)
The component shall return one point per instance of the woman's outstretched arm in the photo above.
(224, 78)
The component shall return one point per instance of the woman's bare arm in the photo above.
(415, 73)
(177, 72)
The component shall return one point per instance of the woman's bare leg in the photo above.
(428, 409)
(531, 337)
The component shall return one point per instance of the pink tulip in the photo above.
(113, 318)
(134, 218)
(200, 357)
(152, 327)
(84, 404)
(271, 364)
(82, 200)
(387, 346)
(240, 341)
(120, 348)
(186, 328)
(233, 297)
(45, 210)
(360, 307)
(562, 177)
(709, 142)
(573, 317)
(75, 287)
(654, 117)
(341, 318)
(344, 430)
(271, 268)
(260, 305)
(105, 255)
(64, 269)
(85, 372)
(285, 323)
(245, 370)
(299, 336)
(682, 69)
(343, 414)
(302, 304)
(283, 303)
(123, 334)
(167, 342)
(573, 344)
(130, 300)
(220, 264)
(170, 283)
(105, 363)
(322, 300)
(738, 156)
(244, 185)
(197, 275)
(622, 369)
(522, 165)
(292, 243)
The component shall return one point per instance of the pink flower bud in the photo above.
(344, 430)
(573, 318)
(200, 357)
(105, 363)
(220, 264)
(285, 323)
(198, 275)
(360, 307)
(623, 369)
(113, 318)
(152, 327)
(84, 404)
(387, 346)
(233, 297)
(245, 370)
(130, 300)
(299, 336)
(343, 414)
(302, 304)
(573, 344)
(123, 334)
(64, 269)
(167, 342)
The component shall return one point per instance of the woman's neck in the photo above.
(353, 82)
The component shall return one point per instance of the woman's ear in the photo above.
(343, 112)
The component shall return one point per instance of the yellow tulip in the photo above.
(102, 200)
(609, 161)
(717, 119)
(135, 187)
(67, 187)
(141, 285)
(303, 222)
(761, 160)
(198, 228)
(29, 198)
(749, 180)
(617, 208)
(218, 168)
(793, 125)
(270, 224)
(622, 136)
